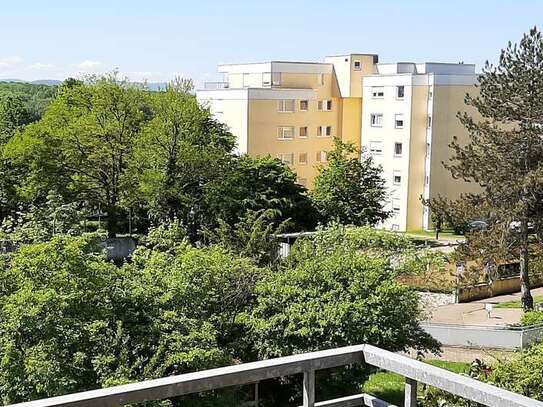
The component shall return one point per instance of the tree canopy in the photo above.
(349, 189)
(71, 321)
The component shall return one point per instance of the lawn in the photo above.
(538, 299)
(389, 386)
(430, 234)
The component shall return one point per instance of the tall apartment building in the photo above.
(292, 110)
(401, 114)
(410, 118)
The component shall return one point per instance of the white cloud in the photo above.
(89, 65)
(10, 62)
(39, 66)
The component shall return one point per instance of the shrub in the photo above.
(522, 373)
(532, 318)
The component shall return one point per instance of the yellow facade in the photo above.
(401, 114)
(258, 116)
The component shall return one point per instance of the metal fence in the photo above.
(306, 364)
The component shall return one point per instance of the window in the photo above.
(397, 177)
(376, 147)
(285, 133)
(395, 205)
(430, 95)
(427, 149)
(377, 92)
(325, 105)
(321, 79)
(395, 227)
(324, 131)
(304, 105)
(427, 180)
(376, 120)
(398, 121)
(303, 132)
(276, 78)
(302, 158)
(357, 65)
(400, 92)
(321, 156)
(285, 106)
(287, 158)
(398, 147)
(429, 124)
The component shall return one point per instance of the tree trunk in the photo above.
(112, 221)
(526, 295)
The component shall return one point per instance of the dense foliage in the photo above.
(349, 189)
(531, 318)
(34, 97)
(70, 320)
(522, 372)
(137, 158)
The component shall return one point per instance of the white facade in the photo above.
(397, 125)
(389, 135)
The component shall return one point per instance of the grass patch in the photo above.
(430, 234)
(390, 386)
(538, 299)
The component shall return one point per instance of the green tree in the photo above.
(179, 152)
(254, 236)
(329, 295)
(521, 373)
(70, 321)
(35, 97)
(81, 148)
(504, 154)
(54, 296)
(349, 189)
(262, 183)
(13, 116)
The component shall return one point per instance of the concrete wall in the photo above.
(351, 120)
(498, 287)
(484, 337)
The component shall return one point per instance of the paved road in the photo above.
(474, 313)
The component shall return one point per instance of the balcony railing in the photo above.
(215, 85)
(248, 373)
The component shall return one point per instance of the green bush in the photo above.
(522, 373)
(328, 295)
(71, 321)
(532, 318)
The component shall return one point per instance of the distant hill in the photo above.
(48, 82)
(36, 95)
(155, 86)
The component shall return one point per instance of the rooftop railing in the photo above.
(414, 372)
(215, 85)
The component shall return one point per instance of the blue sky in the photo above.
(159, 39)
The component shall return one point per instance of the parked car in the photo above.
(477, 225)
